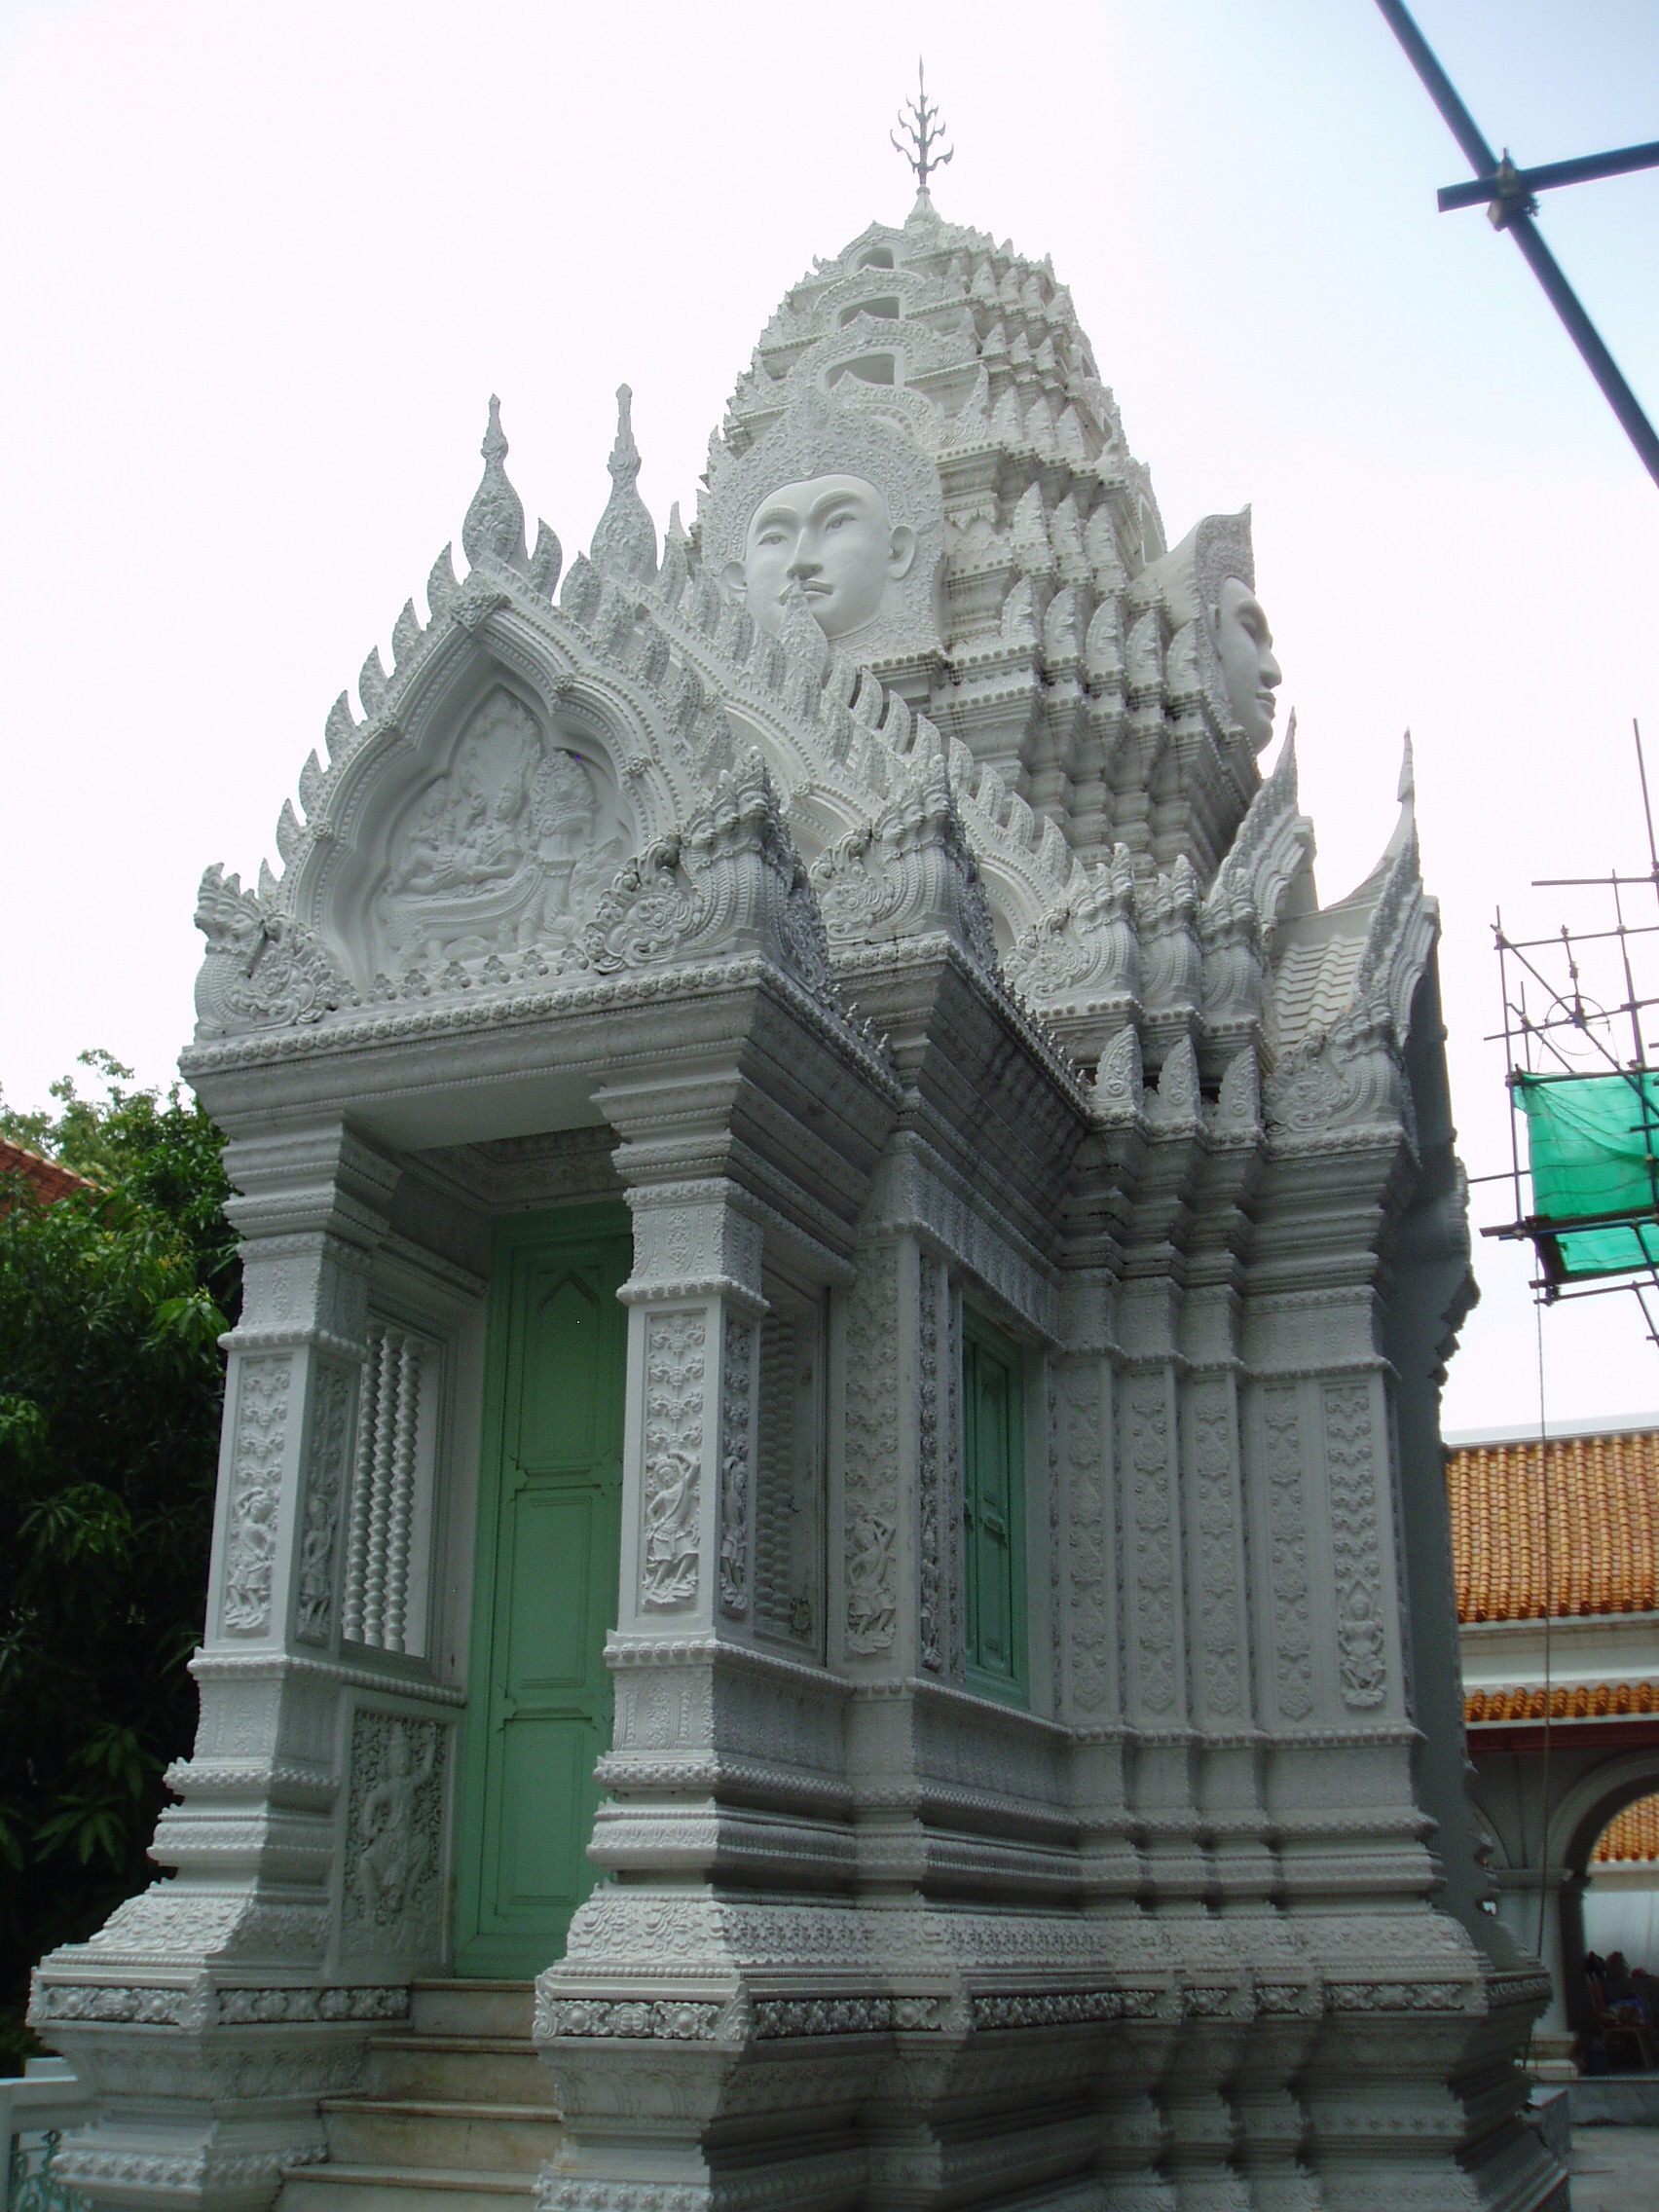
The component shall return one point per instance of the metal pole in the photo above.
(1560, 293)
(1523, 183)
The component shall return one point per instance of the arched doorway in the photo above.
(1595, 1798)
(1621, 1903)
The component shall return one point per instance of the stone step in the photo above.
(401, 2189)
(472, 2008)
(439, 2133)
(500, 2070)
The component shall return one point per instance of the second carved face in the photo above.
(1250, 672)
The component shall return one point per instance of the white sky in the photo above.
(260, 269)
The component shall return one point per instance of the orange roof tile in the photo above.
(1632, 1833)
(1602, 1526)
(1578, 1701)
(51, 1182)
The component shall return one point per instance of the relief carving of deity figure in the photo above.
(668, 1567)
(513, 846)
(393, 1851)
(835, 539)
(1209, 582)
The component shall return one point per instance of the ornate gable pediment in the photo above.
(526, 763)
(542, 789)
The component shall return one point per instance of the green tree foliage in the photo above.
(111, 1381)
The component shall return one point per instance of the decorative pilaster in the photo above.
(235, 1995)
(869, 1547)
(1326, 1603)
(1223, 1687)
(1156, 1642)
(694, 1303)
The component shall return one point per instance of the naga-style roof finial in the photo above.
(920, 129)
(494, 528)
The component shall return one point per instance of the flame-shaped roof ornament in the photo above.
(625, 541)
(494, 528)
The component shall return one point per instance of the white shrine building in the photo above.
(832, 1457)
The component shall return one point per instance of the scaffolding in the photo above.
(1590, 1109)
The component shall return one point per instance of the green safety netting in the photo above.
(1593, 1165)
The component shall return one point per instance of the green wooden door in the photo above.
(549, 1523)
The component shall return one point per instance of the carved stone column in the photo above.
(697, 1693)
(211, 2012)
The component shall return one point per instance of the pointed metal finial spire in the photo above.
(494, 528)
(921, 128)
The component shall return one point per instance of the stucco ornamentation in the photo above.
(872, 1487)
(261, 970)
(256, 1474)
(1362, 1651)
(671, 1530)
(511, 846)
(1220, 1626)
(908, 870)
(394, 1837)
(1087, 1475)
(325, 1482)
(737, 1464)
(1287, 1518)
(728, 881)
(1155, 1592)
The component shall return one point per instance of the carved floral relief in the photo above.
(1362, 1658)
(787, 1515)
(1156, 1596)
(737, 1399)
(256, 1481)
(1219, 1632)
(872, 1481)
(1086, 1474)
(1287, 1521)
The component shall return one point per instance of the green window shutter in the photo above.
(993, 1505)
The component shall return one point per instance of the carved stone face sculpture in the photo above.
(1244, 648)
(835, 540)
(1206, 588)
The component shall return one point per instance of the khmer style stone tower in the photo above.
(847, 1280)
